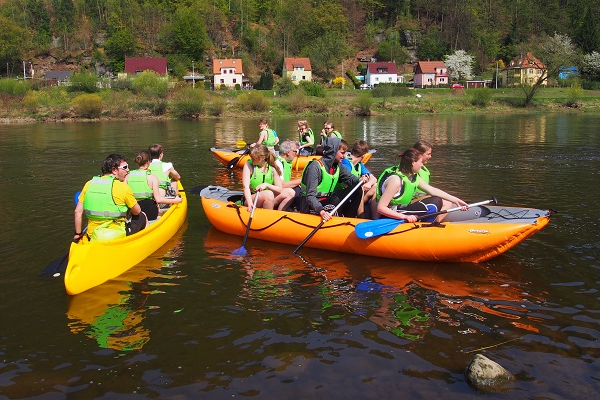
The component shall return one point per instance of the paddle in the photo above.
(242, 250)
(369, 229)
(331, 212)
(240, 144)
(59, 266)
(231, 164)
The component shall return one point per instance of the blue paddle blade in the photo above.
(369, 229)
(240, 252)
(76, 197)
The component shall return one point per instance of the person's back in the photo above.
(164, 171)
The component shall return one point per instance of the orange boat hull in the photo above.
(461, 241)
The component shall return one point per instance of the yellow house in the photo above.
(297, 69)
(523, 70)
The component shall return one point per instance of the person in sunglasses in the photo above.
(106, 202)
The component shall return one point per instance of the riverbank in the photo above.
(58, 105)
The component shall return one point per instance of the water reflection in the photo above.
(407, 299)
(113, 313)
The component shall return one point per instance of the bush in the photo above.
(312, 89)
(354, 79)
(14, 87)
(122, 84)
(83, 82)
(238, 87)
(149, 84)
(188, 103)
(119, 104)
(32, 101)
(216, 105)
(364, 102)
(285, 86)
(391, 90)
(299, 102)
(87, 105)
(481, 97)
(253, 101)
(574, 94)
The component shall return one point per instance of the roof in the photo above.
(525, 61)
(219, 63)
(377, 67)
(158, 65)
(429, 67)
(58, 75)
(291, 62)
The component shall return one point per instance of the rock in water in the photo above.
(487, 375)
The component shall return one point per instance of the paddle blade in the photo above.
(56, 267)
(242, 252)
(369, 229)
(240, 144)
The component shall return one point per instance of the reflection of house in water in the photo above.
(228, 131)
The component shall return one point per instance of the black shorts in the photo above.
(427, 205)
(150, 208)
(137, 223)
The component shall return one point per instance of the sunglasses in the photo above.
(125, 167)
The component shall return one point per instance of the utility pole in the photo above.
(342, 74)
(193, 76)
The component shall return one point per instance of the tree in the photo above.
(118, 46)
(266, 80)
(430, 46)
(187, 33)
(591, 64)
(554, 51)
(13, 40)
(460, 65)
(327, 52)
(588, 34)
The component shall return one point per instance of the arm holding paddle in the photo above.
(427, 188)
(78, 216)
(392, 186)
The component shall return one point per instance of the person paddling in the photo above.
(145, 188)
(106, 201)
(396, 187)
(267, 136)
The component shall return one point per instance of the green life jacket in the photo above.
(156, 168)
(424, 174)
(98, 203)
(328, 181)
(408, 188)
(271, 135)
(336, 133)
(303, 137)
(138, 182)
(287, 169)
(355, 170)
(259, 177)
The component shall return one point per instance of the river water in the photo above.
(192, 321)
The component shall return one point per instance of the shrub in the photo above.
(481, 97)
(83, 82)
(391, 90)
(32, 101)
(14, 87)
(119, 104)
(364, 102)
(238, 87)
(253, 101)
(149, 84)
(339, 81)
(313, 89)
(188, 103)
(285, 86)
(354, 79)
(574, 94)
(87, 105)
(122, 84)
(216, 105)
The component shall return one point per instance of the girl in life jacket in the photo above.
(397, 185)
(261, 174)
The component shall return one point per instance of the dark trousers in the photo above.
(348, 209)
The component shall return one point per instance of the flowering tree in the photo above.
(460, 65)
(591, 63)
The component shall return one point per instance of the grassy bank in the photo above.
(19, 102)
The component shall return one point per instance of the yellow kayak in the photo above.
(93, 263)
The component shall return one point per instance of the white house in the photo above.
(227, 72)
(382, 72)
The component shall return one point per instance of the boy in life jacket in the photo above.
(267, 136)
(354, 164)
(320, 179)
(106, 200)
(164, 171)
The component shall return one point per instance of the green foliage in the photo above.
(253, 101)
(14, 87)
(149, 84)
(312, 89)
(83, 82)
(13, 40)
(327, 52)
(87, 105)
(298, 103)
(482, 97)
(574, 94)
(119, 45)
(32, 101)
(216, 105)
(354, 79)
(364, 102)
(238, 87)
(392, 51)
(266, 80)
(384, 90)
(187, 34)
(431, 46)
(188, 103)
(285, 86)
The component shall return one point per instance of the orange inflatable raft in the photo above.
(476, 235)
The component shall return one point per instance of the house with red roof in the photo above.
(382, 72)
(297, 69)
(430, 73)
(523, 70)
(227, 72)
(134, 66)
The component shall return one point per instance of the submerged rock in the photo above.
(487, 375)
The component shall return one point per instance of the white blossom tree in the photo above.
(460, 65)
(591, 63)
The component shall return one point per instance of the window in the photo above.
(303, 77)
(234, 80)
(293, 77)
(222, 80)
